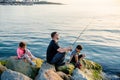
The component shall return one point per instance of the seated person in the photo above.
(24, 53)
(76, 56)
(55, 53)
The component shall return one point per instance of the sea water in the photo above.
(34, 24)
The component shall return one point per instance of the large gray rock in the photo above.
(13, 75)
(46, 66)
(49, 75)
(47, 72)
(77, 75)
(23, 67)
(64, 76)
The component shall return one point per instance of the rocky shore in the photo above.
(13, 69)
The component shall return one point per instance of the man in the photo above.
(55, 53)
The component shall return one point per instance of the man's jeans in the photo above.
(58, 59)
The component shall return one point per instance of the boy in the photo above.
(76, 57)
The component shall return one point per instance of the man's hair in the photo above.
(53, 34)
(79, 47)
(22, 44)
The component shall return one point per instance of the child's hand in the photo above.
(67, 62)
(83, 55)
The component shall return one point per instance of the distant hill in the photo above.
(28, 3)
(45, 2)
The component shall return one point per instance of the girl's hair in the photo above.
(22, 44)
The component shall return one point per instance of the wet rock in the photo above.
(90, 71)
(64, 76)
(13, 75)
(77, 75)
(47, 72)
(2, 68)
(23, 67)
(68, 68)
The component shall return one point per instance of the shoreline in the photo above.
(14, 67)
(106, 74)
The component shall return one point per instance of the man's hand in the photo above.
(62, 50)
(69, 48)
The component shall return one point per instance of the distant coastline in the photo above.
(30, 3)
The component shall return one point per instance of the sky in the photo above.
(98, 6)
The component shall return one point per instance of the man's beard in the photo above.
(57, 38)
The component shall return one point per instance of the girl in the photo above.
(24, 53)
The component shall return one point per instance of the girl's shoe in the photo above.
(33, 64)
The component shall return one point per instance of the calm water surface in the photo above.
(33, 24)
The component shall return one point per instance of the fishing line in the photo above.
(81, 33)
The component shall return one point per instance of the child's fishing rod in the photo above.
(81, 34)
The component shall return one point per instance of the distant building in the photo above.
(9, 0)
(36, 0)
(31, 0)
(1, 0)
(20, 1)
(13, 0)
(27, 0)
